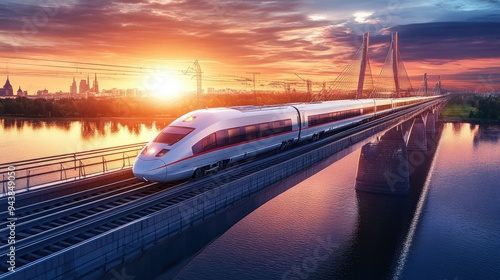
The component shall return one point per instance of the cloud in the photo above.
(281, 37)
(450, 40)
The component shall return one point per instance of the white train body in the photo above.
(204, 141)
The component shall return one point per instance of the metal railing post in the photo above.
(81, 170)
(103, 165)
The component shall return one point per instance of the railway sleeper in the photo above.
(54, 248)
(128, 219)
(32, 231)
(76, 239)
(45, 227)
(108, 227)
(31, 257)
(93, 232)
(43, 252)
(64, 244)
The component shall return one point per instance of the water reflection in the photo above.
(26, 138)
(383, 223)
(64, 125)
(99, 128)
(34, 124)
(457, 128)
(89, 128)
(487, 134)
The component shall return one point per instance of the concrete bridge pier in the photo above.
(431, 121)
(383, 165)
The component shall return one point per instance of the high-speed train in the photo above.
(205, 141)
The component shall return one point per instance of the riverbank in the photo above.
(475, 109)
(468, 120)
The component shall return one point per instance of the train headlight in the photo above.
(162, 152)
(144, 151)
(189, 119)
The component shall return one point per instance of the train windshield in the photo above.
(172, 134)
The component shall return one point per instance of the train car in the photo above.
(401, 103)
(322, 117)
(208, 140)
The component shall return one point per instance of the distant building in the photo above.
(131, 92)
(42, 92)
(20, 92)
(83, 86)
(95, 88)
(7, 89)
(72, 88)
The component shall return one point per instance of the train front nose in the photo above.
(150, 170)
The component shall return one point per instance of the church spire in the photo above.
(96, 84)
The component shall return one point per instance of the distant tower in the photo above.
(19, 91)
(96, 85)
(395, 66)
(7, 88)
(364, 62)
(438, 86)
(72, 89)
(426, 86)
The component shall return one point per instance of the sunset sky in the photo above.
(459, 40)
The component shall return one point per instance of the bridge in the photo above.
(82, 215)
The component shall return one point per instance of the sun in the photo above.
(163, 84)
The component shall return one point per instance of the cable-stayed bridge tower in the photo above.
(393, 80)
(355, 81)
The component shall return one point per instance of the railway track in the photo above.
(47, 227)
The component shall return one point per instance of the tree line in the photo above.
(486, 106)
(135, 106)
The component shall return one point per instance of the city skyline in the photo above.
(315, 39)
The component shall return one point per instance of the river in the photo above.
(25, 138)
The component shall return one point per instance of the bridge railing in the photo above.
(33, 173)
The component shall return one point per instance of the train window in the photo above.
(222, 138)
(172, 134)
(287, 124)
(313, 120)
(276, 127)
(384, 107)
(331, 117)
(250, 132)
(264, 130)
(234, 135)
(206, 144)
(368, 110)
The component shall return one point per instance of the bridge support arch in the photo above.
(385, 165)
(418, 137)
